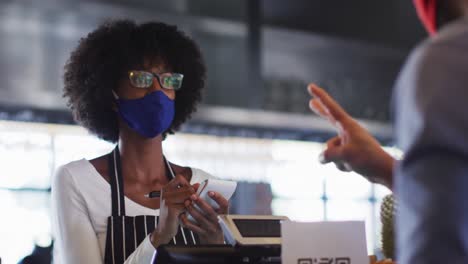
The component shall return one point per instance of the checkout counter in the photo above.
(249, 239)
(259, 239)
(218, 254)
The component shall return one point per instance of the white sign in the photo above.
(324, 243)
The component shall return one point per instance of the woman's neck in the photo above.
(142, 158)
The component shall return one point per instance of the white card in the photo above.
(324, 243)
(225, 188)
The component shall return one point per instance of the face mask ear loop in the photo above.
(114, 104)
(115, 95)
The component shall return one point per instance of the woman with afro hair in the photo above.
(132, 85)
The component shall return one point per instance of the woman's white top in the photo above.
(81, 204)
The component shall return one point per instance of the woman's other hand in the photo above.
(206, 225)
(354, 148)
(173, 198)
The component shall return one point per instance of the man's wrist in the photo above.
(388, 163)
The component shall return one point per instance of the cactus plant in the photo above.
(387, 215)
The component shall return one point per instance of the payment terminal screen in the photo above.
(258, 227)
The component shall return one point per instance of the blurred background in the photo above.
(254, 125)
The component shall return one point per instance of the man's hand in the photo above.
(354, 148)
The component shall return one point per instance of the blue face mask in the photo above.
(150, 115)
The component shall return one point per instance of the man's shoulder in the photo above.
(449, 45)
(454, 35)
(439, 60)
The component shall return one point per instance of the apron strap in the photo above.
(116, 182)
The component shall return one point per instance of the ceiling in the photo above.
(260, 53)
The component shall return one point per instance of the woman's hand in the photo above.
(354, 148)
(206, 226)
(173, 198)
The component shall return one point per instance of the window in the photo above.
(302, 188)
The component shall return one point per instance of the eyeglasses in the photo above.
(144, 79)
